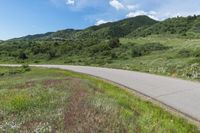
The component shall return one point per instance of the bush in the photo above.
(99, 48)
(36, 61)
(154, 47)
(114, 43)
(51, 54)
(14, 72)
(113, 56)
(2, 74)
(196, 53)
(137, 51)
(195, 60)
(184, 53)
(141, 50)
(22, 56)
(68, 61)
(25, 68)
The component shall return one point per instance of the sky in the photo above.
(27, 17)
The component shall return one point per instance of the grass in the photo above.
(171, 56)
(51, 100)
(173, 62)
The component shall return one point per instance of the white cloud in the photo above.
(70, 2)
(151, 14)
(134, 14)
(99, 22)
(132, 7)
(116, 4)
(175, 8)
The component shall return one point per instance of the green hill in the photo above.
(62, 34)
(113, 29)
(140, 26)
(170, 47)
(119, 28)
(181, 26)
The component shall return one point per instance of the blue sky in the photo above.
(24, 17)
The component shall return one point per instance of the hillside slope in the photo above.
(170, 47)
(181, 26)
(52, 100)
(113, 29)
(140, 26)
(119, 28)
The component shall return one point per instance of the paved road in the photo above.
(184, 96)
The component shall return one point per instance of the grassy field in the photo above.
(50, 100)
(182, 59)
(163, 55)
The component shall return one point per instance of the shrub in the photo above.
(137, 51)
(68, 61)
(114, 43)
(113, 55)
(51, 54)
(25, 68)
(196, 53)
(22, 56)
(2, 74)
(141, 50)
(13, 71)
(154, 47)
(184, 53)
(36, 61)
(99, 48)
(195, 60)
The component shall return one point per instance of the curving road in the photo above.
(181, 95)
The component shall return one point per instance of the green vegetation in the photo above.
(170, 47)
(169, 56)
(142, 50)
(50, 100)
(173, 56)
(187, 27)
(13, 71)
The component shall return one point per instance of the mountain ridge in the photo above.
(119, 28)
(169, 47)
(139, 26)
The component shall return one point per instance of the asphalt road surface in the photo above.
(181, 95)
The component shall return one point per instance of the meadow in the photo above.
(181, 59)
(170, 47)
(52, 100)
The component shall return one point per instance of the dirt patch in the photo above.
(81, 117)
(35, 126)
(75, 109)
(26, 85)
(52, 82)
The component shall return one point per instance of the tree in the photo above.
(51, 54)
(114, 43)
(22, 55)
(136, 51)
